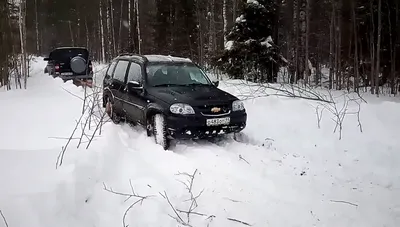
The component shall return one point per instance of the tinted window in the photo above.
(65, 54)
(120, 70)
(111, 68)
(135, 73)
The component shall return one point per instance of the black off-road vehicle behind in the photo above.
(171, 97)
(69, 63)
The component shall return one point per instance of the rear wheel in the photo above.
(160, 131)
(110, 111)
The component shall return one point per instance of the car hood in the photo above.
(192, 95)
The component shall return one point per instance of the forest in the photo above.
(357, 41)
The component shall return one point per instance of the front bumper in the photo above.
(195, 127)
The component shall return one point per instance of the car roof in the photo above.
(154, 58)
(63, 48)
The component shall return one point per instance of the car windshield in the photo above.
(164, 74)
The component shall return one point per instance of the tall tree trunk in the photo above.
(339, 78)
(396, 42)
(296, 28)
(356, 65)
(112, 28)
(103, 50)
(120, 26)
(225, 20)
(138, 26)
(378, 48)
(200, 33)
(307, 68)
(302, 20)
(130, 26)
(392, 52)
(372, 46)
(37, 28)
(331, 47)
(348, 73)
(109, 32)
(22, 33)
(71, 32)
(87, 33)
(212, 31)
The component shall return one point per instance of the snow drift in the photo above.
(285, 172)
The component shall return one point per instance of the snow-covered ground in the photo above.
(285, 172)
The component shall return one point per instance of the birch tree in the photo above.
(378, 48)
(139, 38)
(22, 33)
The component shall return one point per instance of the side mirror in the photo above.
(216, 83)
(134, 86)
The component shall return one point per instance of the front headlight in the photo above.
(237, 105)
(180, 108)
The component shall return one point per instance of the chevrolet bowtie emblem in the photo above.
(215, 110)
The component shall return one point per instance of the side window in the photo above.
(135, 73)
(120, 70)
(111, 69)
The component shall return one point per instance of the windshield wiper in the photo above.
(162, 85)
(196, 84)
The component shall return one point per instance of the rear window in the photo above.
(66, 54)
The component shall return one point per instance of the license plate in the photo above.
(67, 74)
(218, 121)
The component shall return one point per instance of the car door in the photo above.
(135, 101)
(117, 85)
(107, 81)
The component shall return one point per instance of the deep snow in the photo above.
(285, 172)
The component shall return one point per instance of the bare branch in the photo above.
(241, 222)
(285, 90)
(178, 217)
(72, 94)
(340, 201)
(339, 113)
(4, 218)
(233, 200)
(64, 148)
(241, 158)
(128, 196)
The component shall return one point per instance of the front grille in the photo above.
(207, 109)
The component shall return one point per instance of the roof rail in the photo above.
(125, 54)
(133, 55)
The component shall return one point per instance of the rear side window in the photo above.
(120, 70)
(111, 69)
(135, 73)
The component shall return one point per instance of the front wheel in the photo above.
(160, 131)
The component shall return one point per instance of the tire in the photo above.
(160, 131)
(110, 111)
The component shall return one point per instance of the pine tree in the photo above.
(249, 51)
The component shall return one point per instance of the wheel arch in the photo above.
(153, 109)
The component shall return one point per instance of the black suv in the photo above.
(69, 63)
(171, 97)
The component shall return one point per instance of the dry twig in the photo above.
(239, 221)
(4, 218)
(340, 201)
(128, 196)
